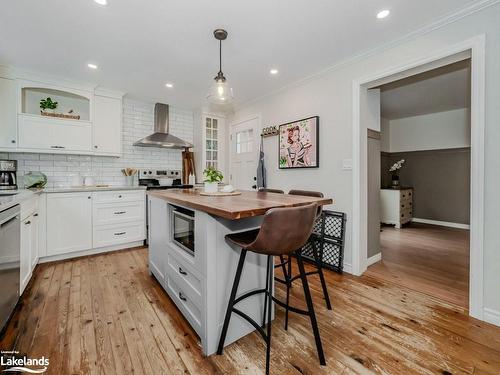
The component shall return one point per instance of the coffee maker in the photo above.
(8, 175)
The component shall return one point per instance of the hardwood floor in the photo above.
(105, 315)
(427, 258)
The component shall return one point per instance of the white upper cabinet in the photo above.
(42, 135)
(107, 125)
(79, 119)
(8, 113)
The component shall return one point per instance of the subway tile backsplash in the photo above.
(137, 123)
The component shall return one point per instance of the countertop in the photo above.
(248, 204)
(9, 200)
(76, 189)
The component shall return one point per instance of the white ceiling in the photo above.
(141, 45)
(438, 90)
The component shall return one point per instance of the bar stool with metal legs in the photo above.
(283, 231)
(266, 190)
(318, 259)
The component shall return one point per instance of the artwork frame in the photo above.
(287, 158)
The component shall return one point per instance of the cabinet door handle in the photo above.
(27, 223)
(89, 197)
(120, 212)
(182, 272)
(13, 141)
(95, 146)
(120, 233)
(119, 196)
(181, 296)
(35, 215)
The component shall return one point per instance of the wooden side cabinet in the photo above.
(396, 206)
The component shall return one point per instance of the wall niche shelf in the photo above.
(78, 102)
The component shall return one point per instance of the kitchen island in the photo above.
(190, 258)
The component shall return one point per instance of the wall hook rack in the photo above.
(270, 131)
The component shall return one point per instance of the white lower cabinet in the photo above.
(69, 222)
(29, 241)
(93, 220)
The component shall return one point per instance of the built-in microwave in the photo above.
(183, 229)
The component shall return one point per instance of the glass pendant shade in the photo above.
(220, 92)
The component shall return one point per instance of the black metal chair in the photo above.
(266, 190)
(286, 264)
(283, 231)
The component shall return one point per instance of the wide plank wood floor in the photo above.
(427, 258)
(106, 315)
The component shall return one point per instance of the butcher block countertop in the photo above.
(248, 204)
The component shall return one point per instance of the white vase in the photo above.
(211, 187)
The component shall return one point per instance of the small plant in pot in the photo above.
(48, 105)
(394, 170)
(212, 179)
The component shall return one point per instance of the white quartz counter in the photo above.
(75, 189)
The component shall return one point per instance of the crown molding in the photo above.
(438, 24)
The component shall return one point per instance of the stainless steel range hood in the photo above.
(161, 136)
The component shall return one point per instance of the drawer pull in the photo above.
(27, 223)
(120, 212)
(182, 272)
(181, 296)
(119, 196)
(402, 206)
(35, 215)
(120, 233)
(58, 147)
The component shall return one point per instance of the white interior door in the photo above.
(244, 154)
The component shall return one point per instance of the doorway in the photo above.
(419, 184)
(244, 154)
(473, 48)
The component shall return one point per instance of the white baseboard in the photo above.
(373, 259)
(492, 316)
(82, 253)
(347, 268)
(441, 223)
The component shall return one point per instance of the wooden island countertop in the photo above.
(248, 204)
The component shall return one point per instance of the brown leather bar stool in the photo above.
(283, 231)
(266, 190)
(318, 258)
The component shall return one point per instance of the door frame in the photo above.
(477, 47)
(230, 134)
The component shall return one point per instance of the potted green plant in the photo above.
(212, 179)
(48, 105)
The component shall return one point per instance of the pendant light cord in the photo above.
(220, 56)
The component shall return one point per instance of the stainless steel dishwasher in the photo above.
(10, 248)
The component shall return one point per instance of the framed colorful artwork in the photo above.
(298, 144)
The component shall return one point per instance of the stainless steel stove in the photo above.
(160, 180)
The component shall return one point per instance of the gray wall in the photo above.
(441, 182)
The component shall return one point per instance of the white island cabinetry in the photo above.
(200, 282)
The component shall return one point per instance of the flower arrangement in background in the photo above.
(395, 172)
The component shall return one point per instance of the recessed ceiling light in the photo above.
(274, 71)
(169, 85)
(101, 2)
(383, 13)
(92, 66)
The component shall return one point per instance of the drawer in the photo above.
(29, 207)
(406, 205)
(119, 196)
(185, 276)
(108, 235)
(189, 309)
(406, 194)
(115, 213)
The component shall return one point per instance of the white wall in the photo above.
(385, 135)
(434, 131)
(137, 123)
(329, 96)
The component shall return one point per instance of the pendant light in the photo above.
(220, 92)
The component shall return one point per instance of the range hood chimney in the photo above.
(161, 136)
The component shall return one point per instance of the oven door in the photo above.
(183, 229)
